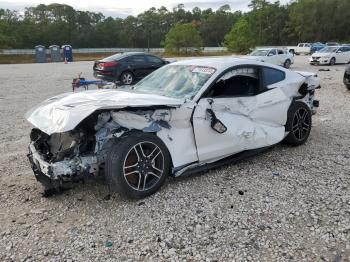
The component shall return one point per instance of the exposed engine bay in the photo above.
(83, 151)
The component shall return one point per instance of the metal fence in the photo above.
(103, 50)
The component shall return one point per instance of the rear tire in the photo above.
(127, 78)
(332, 61)
(299, 122)
(137, 165)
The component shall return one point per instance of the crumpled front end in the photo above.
(61, 157)
(82, 152)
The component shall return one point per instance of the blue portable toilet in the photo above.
(67, 53)
(55, 53)
(40, 54)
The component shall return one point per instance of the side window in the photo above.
(300, 45)
(272, 76)
(272, 52)
(137, 59)
(244, 81)
(344, 49)
(280, 52)
(307, 45)
(154, 60)
(126, 59)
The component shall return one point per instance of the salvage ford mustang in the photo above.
(184, 117)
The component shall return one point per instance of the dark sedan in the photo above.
(127, 67)
(347, 77)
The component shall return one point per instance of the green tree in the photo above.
(240, 38)
(215, 25)
(182, 38)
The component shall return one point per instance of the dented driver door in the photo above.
(250, 122)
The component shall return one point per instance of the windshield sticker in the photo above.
(204, 70)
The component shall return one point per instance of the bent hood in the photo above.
(64, 112)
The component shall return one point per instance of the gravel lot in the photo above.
(286, 204)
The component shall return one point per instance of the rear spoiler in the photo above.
(311, 80)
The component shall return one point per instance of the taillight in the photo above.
(109, 64)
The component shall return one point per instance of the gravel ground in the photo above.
(285, 204)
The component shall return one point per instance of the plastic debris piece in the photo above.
(108, 244)
(276, 173)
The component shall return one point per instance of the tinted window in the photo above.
(345, 49)
(273, 52)
(154, 60)
(272, 76)
(237, 82)
(137, 59)
(280, 52)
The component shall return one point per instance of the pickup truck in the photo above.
(301, 48)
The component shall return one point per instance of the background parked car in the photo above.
(301, 48)
(275, 56)
(331, 55)
(347, 77)
(332, 44)
(127, 67)
(316, 47)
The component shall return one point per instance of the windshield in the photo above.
(328, 50)
(177, 81)
(260, 52)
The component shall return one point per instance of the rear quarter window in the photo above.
(155, 60)
(272, 76)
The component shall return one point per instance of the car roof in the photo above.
(220, 63)
(124, 54)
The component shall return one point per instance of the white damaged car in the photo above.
(184, 117)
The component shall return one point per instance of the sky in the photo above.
(122, 8)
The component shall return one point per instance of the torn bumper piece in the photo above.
(66, 170)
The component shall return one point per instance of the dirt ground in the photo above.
(286, 204)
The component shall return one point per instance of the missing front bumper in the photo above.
(66, 170)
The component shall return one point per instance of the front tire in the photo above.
(332, 61)
(137, 165)
(299, 121)
(287, 64)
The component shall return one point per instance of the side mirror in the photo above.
(270, 54)
(216, 124)
(339, 51)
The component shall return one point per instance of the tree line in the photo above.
(264, 24)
